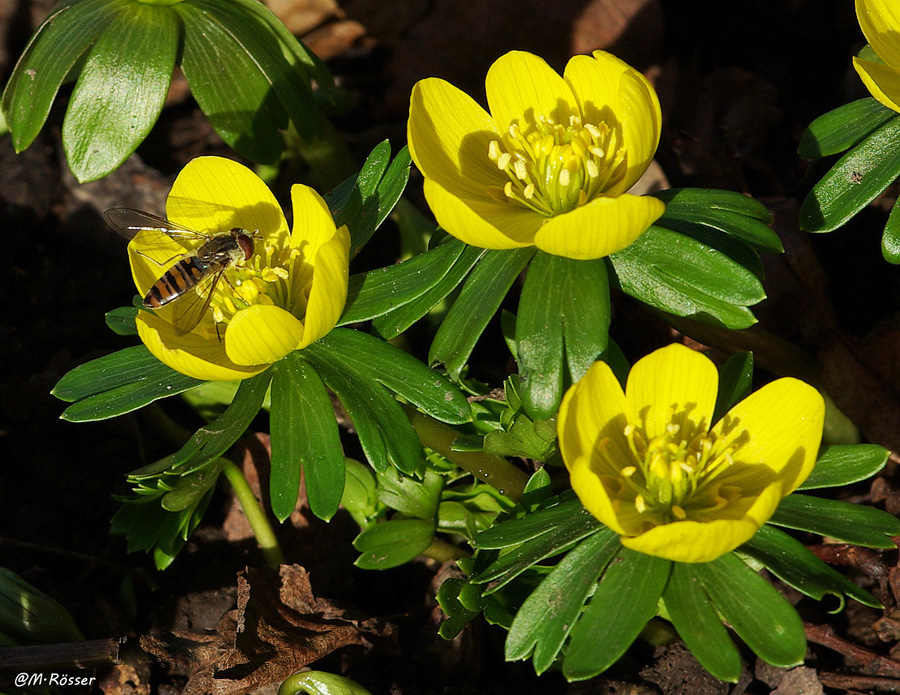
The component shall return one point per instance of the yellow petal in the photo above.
(488, 225)
(262, 334)
(313, 222)
(599, 228)
(691, 541)
(610, 90)
(778, 426)
(190, 354)
(882, 81)
(214, 194)
(593, 495)
(593, 411)
(449, 135)
(151, 255)
(672, 384)
(880, 22)
(521, 87)
(328, 293)
(313, 226)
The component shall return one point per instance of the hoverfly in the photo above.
(189, 284)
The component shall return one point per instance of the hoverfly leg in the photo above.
(153, 260)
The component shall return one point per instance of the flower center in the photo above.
(261, 279)
(673, 476)
(554, 168)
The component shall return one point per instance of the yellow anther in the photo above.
(565, 178)
(529, 191)
(629, 471)
(494, 151)
(218, 316)
(503, 161)
(640, 504)
(281, 273)
(678, 512)
(520, 169)
(593, 170)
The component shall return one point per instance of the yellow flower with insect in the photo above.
(651, 465)
(880, 22)
(229, 288)
(550, 165)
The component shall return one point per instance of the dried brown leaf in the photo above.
(280, 626)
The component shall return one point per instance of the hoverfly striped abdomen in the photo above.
(195, 276)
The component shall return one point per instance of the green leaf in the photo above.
(851, 523)
(228, 84)
(854, 181)
(214, 439)
(699, 625)
(398, 320)
(537, 523)
(384, 430)
(304, 431)
(191, 489)
(121, 320)
(684, 277)
(121, 89)
(148, 526)
(790, 561)
(755, 610)
(306, 63)
(393, 543)
(557, 539)
(458, 616)
(252, 27)
(735, 382)
(563, 301)
(625, 600)
(845, 464)
(409, 496)
(363, 202)
(722, 214)
(46, 61)
(359, 498)
(890, 240)
(477, 302)
(399, 372)
(586, 315)
(539, 336)
(118, 383)
(381, 291)
(545, 619)
(843, 128)
(29, 616)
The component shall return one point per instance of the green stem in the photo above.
(262, 529)
(490, 469)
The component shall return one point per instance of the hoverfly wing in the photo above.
(190, 307)
(129, 222)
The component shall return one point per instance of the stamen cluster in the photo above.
(674, 473)
(261, 279)
(554, 168)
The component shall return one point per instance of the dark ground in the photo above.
(738, 81)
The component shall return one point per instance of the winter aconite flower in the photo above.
(286, 295)
(880, 22)
(652, 466)
(550, 165)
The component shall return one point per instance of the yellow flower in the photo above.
(649, 463)
(550, 165)
(289, 293)
(880, 22)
